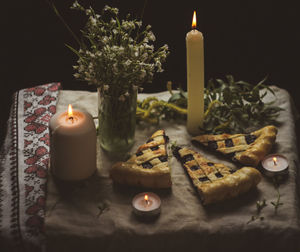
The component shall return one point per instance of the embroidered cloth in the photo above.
(24, 162)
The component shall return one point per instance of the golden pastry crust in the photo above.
(148, 167)
(266, 137)
(248, 149)
(216, 182)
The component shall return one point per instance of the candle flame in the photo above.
(194, 23)
(70, 111)
(275, 160)
(146, 197)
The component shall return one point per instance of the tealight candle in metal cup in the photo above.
(146, 204)
(275, 164)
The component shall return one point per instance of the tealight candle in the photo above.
(72, 145)
(195, 79)
(275, 164)
(146, 204)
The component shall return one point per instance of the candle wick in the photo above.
(275, 163)
(71, 118)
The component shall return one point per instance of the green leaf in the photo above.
(174, 97)
(230, 79)
(227, 96)
(73, 50)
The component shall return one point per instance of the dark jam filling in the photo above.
(147, 165)
(149, 140)
(210, 164)
(154, 148)
(175, 151)
(228, 143)
(219, 175)
(203, 179)
(232, 171)
(187, 158)
(166, 138)
(140, 153)
(212, 145)
(230, 155)
(195, 168)
(250, 139)
(163, 158)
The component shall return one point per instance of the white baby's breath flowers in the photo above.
(118, 55)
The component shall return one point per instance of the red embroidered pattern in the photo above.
(39, 106)
(24, 160)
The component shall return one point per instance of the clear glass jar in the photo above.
(117, 119)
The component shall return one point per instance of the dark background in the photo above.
(246, 39)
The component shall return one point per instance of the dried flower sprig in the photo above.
(259, 206)
(116, 55)
(238, 106)
(278, 202)
(230, 106)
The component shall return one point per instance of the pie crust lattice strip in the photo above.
(148, 167)
(248, 149)
(214, 181)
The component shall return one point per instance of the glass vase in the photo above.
(117, 119)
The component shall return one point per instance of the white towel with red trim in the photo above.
(24, 162)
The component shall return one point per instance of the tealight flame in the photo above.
(70, 112)
(194, 23)
(146, 198)
(275, 160)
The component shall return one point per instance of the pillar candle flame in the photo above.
(70, 112)
(194, 23)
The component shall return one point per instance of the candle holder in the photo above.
(146, 205)
(275, 164)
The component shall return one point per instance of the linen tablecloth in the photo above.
(96, 215)
(24, 161)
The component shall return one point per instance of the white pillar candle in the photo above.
(72, 145)
(195, 79)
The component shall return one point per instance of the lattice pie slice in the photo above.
(216, 182)
(248, 149)
(148, 167)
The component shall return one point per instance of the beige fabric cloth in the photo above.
(73, 221)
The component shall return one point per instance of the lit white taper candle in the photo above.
(195, 79)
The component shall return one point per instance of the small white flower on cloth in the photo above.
(105, 87)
